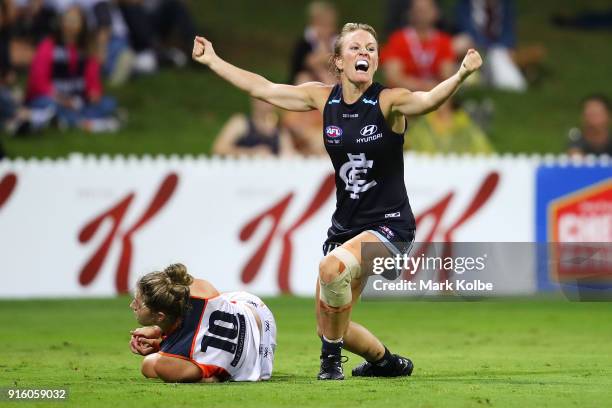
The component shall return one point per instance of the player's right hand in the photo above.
(203, 51)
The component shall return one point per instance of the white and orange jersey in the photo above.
(222, 337)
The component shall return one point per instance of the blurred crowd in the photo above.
(422, 49)
(70, 48)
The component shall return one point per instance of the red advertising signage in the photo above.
(580, 230)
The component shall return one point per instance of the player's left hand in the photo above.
(203, 51)
(145, 340)
(144, 346)
(471, 62)
(134, 346)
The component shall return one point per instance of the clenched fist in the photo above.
(471, 62)
(203, 51)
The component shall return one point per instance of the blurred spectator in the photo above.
(14, 118)
(418, 56)
(34, 18)
(310, 62)
(112, 41)
(261, 134)
(491, 26)
(8, 107)
(175, 29)
(593, 137)
(34, 21)
(7, 110)
(7, 18)
(141, 35)
(64, 80)
(306, 129)
(132, 36)
(11, 114)
(447, 130)
(151, 25)
(107, 27)
(396, 17)
(312, 53)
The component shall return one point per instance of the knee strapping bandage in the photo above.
(337, 293)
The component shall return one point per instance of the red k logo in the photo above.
(7, 186)
(120, 234)
(437, 211)
(275, 214)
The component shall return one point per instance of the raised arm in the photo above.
(303, 97)
(416, 103)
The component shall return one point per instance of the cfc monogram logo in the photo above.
(352, 172)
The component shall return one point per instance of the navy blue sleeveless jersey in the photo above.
(368, 160)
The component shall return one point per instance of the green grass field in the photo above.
(524, 353)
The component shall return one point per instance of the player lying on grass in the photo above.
(193, 333)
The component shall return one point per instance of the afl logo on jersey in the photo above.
(333, 135)
(368, 130)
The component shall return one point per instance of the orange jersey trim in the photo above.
(209, 370)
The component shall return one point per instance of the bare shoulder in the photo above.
(318, 92)
(237, 120)
(203, 288)
(316, 86)
(391, 97)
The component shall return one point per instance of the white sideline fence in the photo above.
(90, 226)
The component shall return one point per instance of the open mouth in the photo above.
(362, 66)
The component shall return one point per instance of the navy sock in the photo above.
(385, 361)
(330, 348)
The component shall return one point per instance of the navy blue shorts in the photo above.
(397, 238)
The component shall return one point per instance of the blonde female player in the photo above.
(363, 132)
(193, 333)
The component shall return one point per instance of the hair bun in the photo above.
(178, 274)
